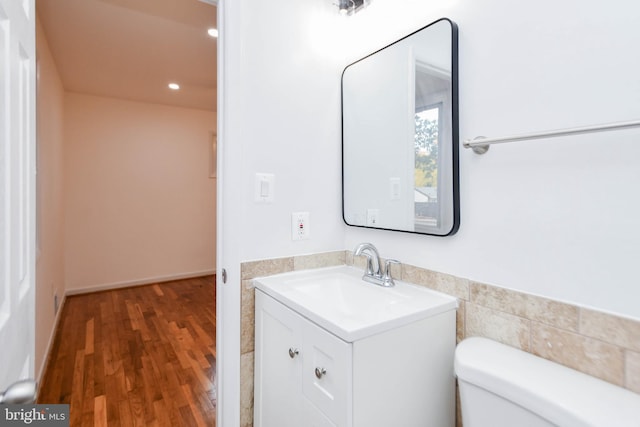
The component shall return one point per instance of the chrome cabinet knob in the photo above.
(320, 372)
(293, 352)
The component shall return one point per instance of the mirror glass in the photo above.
(400, 135)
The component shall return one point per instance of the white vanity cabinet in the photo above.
(305, 376)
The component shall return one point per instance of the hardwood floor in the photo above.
(141, 356)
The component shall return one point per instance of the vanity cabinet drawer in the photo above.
(326, 369)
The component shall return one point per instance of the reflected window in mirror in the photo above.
(432, 101)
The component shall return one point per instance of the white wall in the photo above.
(555, 218)
(139, 205)
(50, 216)
(283, 119)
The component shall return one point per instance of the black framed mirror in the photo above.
(400, 135)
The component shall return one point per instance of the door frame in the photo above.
(228, 296)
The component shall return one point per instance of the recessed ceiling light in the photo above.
(174, 86)
(213, 32)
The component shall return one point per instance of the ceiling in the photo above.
(132, 49)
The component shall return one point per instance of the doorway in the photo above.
(129, 215)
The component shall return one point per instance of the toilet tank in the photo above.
(501, 386)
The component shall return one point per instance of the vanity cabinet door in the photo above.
(278, 383)
(314, 417)
(326, 373)
(302, 372)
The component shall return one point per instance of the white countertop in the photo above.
(337, 299)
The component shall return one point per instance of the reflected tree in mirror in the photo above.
(426, 147)
(426, 167)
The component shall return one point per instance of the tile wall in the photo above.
(596, 343)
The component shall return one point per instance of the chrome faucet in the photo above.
(373, 272)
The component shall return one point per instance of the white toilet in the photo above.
(501, 386)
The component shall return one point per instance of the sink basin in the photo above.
(337, 299)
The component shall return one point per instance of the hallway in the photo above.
(141, 356)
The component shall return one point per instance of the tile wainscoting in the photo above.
(596, 343)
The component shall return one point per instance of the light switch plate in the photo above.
(394, 188)
(264, 188)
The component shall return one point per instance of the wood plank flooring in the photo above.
(141, 356)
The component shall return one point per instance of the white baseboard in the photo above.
(52, 337)
(139, 282)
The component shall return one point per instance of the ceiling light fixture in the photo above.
(349, 7)
(174, 86)
(213, 32)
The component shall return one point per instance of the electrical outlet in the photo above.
(56, 304)
(300, 227)
(373, 217)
